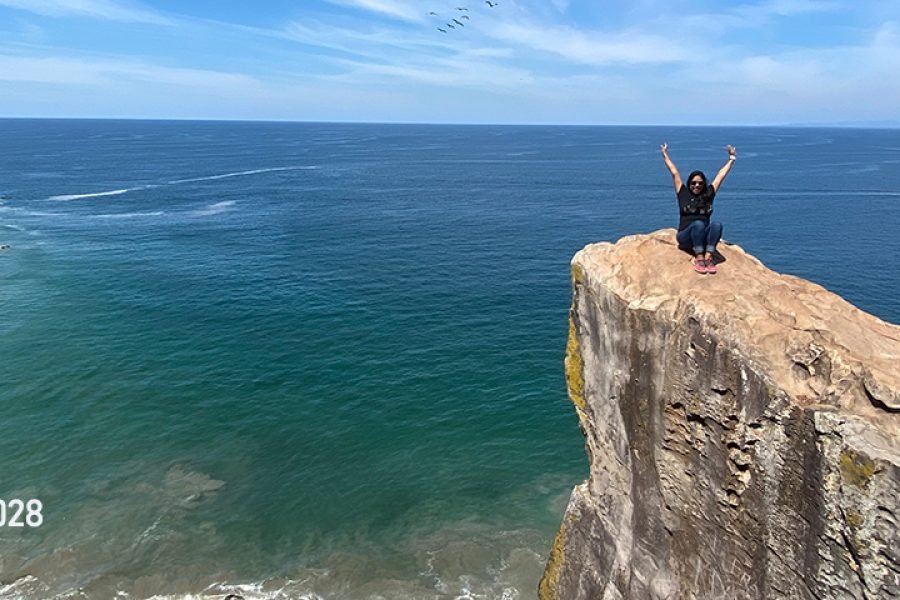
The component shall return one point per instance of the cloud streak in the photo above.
(111, 72)
(96, 9)
(594, 48)
(395, 9)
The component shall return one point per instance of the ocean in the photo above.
(320, 360)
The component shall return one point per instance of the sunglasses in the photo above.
(694, 183)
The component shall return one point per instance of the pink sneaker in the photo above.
(711, 267)
(699, 265)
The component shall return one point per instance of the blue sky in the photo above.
(521, 61)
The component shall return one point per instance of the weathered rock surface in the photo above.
(743, 433)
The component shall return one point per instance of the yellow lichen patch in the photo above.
(854, 519)
(577, 274)
(856, 468)
(548, 588)
(695, 404)
(574, 368)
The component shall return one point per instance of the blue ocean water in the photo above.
(325, 360)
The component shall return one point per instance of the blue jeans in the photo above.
(698, 237)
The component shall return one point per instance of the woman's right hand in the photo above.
(665, 148)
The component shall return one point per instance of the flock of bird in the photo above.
(453, 23)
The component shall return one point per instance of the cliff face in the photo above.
(742, 429)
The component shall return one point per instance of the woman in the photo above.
(696, 234)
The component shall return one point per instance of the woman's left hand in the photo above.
(732, 151)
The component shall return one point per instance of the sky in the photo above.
(640, 62)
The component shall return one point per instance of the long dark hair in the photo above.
(706, 194)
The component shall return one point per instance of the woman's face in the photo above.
(696, 185)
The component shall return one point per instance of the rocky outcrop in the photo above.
(742, 429)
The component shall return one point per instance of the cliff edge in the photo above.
(742, 429)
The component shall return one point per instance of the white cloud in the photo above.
(100, 9)
(801, 84)
(730, 18)
(594, 48)
(368, 42)
(787, 8)
(112, 72)
(396, 9)
(887, 36)
(450, 72)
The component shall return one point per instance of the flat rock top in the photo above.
(783, 322)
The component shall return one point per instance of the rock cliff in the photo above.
(742, 429)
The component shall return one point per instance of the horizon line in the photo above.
(874, 124)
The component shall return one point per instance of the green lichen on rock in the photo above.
(548, 588)
(574, 367)
(577, 274)
(854, 519)
(856, 468)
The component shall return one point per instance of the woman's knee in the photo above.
(695, 231)
(696, 226)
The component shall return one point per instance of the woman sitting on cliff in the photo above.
(696, 234)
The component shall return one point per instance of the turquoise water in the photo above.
(325, 360)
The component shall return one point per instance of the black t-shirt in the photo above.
(694, 208)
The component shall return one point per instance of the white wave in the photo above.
(865, 169)
(28, 213)
(240, 174)
(64, 197)
(17, 586)
(13, 227)
(155, 213)
(93, 195)
(214, 209)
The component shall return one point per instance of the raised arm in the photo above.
(676, 178)
(720, 176)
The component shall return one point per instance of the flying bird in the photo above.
(442, 30)
(460, 23)
(451, 25)
(433, 13)
(464, 17)
(462, 8)
(491, 4)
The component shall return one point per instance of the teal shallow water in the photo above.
(327, 359)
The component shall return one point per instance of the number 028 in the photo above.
(21, 513)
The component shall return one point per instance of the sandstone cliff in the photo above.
(742, 429)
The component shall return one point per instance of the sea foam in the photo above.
(155, 213)
(239, 174)
(93, 195)
(214, 209)
(64, 197)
